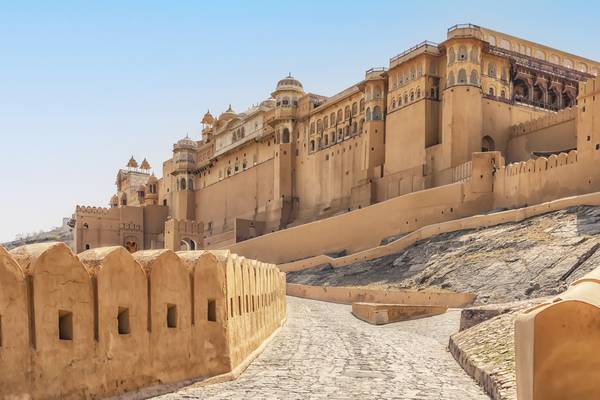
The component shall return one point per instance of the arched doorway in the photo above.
(187, 245)
(487, 144)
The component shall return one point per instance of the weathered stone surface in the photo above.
(515, 261)
(323, 352)
(486, 350)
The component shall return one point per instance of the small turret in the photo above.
(145, 165)
(132, 163)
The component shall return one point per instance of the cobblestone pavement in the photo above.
(324, 352)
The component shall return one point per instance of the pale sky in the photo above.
(84, 85)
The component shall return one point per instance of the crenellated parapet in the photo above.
(539, 164)
(88, 210)
(546, 121)
(106, 321)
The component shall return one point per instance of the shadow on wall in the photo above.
(106, 322)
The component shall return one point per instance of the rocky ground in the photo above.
(59, 234)
(515, 261)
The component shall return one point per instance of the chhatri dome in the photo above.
(289, 82)
(145, 164)
(208, 119)
(132, 163)
(186, 142)
(227, 114)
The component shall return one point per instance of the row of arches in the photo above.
(336, 136)
(462, 54)
(402, 78)
(409, 97)
(376, 115)
(183, 184)
(462, 78)
(492, 72)
(286, 101)
(541, 96)
(337, 117)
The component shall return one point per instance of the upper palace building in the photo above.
(298, 156)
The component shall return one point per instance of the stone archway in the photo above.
(187, 244)
(487, 144)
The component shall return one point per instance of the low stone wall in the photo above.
(107, 322)
(380, 314)
(346, 295)
(556, 345)
(474, 222)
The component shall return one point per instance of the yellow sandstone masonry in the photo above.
(107, 322)
(556, 345)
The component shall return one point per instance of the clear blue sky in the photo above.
(83, 85)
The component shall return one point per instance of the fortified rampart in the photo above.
(107, 321)
(551, 133)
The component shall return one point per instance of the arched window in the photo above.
(432, 95)
(354, 127)
(244, 164)
(340, 116)
(332, 118)
(340, 134)
(393, 102)
(450, 78)
(333, 137)
(405, 98)
(418, 93)
(325, 122)
(347, 112)
(228, 171)
(312, 145)
(377, 113)
(503, 94)
(451, 56)
(312, 128)
(182, 184)
(474, 55)
(285, 136)
(124, 198)
(362, 105)
(368, 114)
(462, 76)
(412, 96)
(285, 102)
(492, 70)
(400, 101)
(474, 77)
(491, 91)
(462, 53)
(319, 126)
(190, 184)
(487, 144)
(326, 137)
(354, 108)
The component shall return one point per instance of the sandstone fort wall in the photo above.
(106, 321)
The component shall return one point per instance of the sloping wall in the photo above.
(106, 322)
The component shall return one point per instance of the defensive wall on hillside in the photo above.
(107, 321)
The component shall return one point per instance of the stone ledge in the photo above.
(380, 314)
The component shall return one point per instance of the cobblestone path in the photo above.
(324, 352)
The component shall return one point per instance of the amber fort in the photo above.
(181, 276)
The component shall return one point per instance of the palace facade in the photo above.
(298, 156)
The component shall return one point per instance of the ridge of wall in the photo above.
(473, 222)
(106, 322)
(543, 122)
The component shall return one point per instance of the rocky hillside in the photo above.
(514, 261)
(60, 234)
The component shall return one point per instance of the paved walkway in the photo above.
(324, 352)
